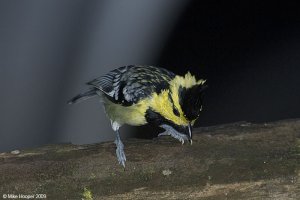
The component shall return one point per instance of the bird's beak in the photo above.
(190, 133)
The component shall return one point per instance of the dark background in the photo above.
(247, 50)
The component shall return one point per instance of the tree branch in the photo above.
(235, 161)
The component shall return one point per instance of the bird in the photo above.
(141, 94)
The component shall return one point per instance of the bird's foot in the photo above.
(120, 152)
(173, 133)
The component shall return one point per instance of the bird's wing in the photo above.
(127, 85)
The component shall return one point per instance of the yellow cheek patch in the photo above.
(160, 103)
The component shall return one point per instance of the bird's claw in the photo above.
(173, 133)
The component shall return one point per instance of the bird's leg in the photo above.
(120, 149)
(172, 132)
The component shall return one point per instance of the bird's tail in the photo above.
(83, 96)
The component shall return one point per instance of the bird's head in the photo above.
(179, 106)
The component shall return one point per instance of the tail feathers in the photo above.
(83, 96)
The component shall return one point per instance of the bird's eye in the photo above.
(175, 111)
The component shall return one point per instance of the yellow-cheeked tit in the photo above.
(139, 95)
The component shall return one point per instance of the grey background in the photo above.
(49, 49)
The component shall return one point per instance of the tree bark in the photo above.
(233, 161)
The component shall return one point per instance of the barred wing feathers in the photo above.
(129, 84)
